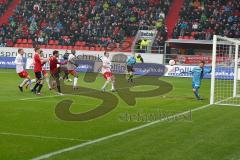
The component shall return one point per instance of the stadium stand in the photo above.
(3, 5)
(200, 20)
(81, 24)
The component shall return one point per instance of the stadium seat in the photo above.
(78, 43)
(24, 41)
(16, 45)
(56, 42)
(51, 42)
(42, 46)
(65, 47)
(69, 47)
(19, 40)
(29, 41)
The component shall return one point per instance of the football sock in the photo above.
(48, 82)
(113, 87)
(196, 94)
(59, 89)
(33, 81)
(75, 81)
(30, 83)
(39, 88)
(24, 82)
(35, 87)
(105, 84)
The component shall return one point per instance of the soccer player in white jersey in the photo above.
(20, 70)
(71, 66)
(106, 71)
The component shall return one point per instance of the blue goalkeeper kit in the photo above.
(131, 61)
(198, 73)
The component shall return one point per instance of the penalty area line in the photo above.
(58, 152)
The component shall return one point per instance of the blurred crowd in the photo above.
(94, 21)
(3, 5)
(201, 19)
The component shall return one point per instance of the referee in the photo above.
(131, 61)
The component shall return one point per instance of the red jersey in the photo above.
(53, 64)
(37, 63)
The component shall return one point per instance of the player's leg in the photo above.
(22, 84)
(75, 79)
(38, 86)
(195, 91)
(108, 80)
(66, 77)
(56, 77)
(46, 77)
(130, 72)
(27, 79)
(29, 84)
(113, 83)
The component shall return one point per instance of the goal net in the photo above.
(225, 81)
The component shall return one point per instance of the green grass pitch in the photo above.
(30, 128)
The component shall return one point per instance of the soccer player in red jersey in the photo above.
(38, 61)
(54, 70)
(20, 70)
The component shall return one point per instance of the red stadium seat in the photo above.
(51, 42)
(69, 47)
(98, 48)
(180, 37)
(76, 47)
(16, 45)
(19, 40)
(30, 41)
(24, 41)
(65, 47)
(42, 46)
(78, 43)
(191, 37)
(85, 48)
(58, 47)
(92, 49)
(56, 42)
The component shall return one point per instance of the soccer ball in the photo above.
(172, 62)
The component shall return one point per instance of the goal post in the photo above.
(225, 78)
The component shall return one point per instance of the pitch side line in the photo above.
(58, 152)
(41, 137)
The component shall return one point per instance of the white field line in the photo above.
(58, 152)
(41, 137)
(7, 73)
(41, 97)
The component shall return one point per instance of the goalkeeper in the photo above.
(198, 73)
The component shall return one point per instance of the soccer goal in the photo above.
(225, 81)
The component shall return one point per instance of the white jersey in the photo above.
(19, 63)
(70, 66)
(106, 66)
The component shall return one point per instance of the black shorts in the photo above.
(39, 75)
(130, 69)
